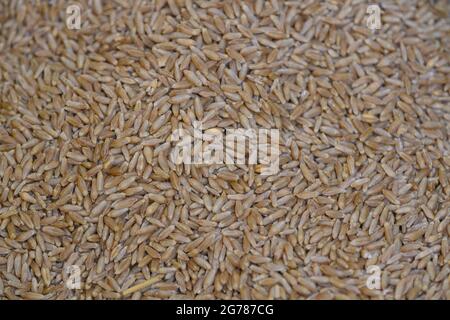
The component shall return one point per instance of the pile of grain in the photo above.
(85, 175)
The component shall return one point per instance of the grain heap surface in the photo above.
(86, 178)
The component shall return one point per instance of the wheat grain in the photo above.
(86, 178)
